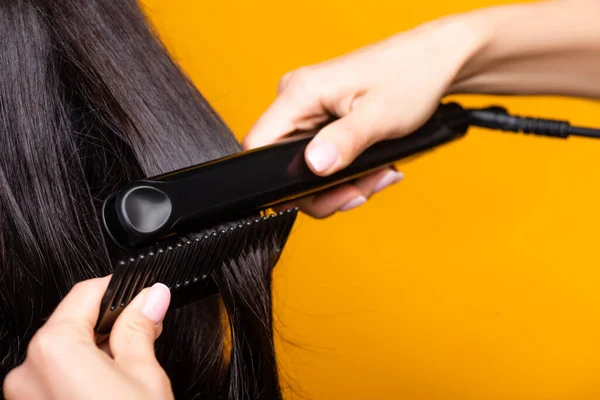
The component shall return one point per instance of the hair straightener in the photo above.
(177, 228)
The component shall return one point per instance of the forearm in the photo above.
(548, 48)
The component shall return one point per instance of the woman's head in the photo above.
(90, 99)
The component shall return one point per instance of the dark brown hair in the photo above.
(90, 99)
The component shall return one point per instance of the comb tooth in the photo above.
(286, 222)
(162, 264)
(238, 244)
(109, 310)
(225, 244)
(267, 227)
(280, 224)
(126, 284)
(119, 277)
(184, 263)
(202, 244)
(256, 226)
(274, 223)
(170, 278)
(198, 257)
(149, 267)
(251, 233)
(168, 265)
(293, 215)
(133, 287)
(209, 249)
(154, 266)
(212, 254)
(124, 266)
(139, 274)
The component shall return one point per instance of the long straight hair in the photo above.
(90, 99)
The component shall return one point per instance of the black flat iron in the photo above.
(168, 221)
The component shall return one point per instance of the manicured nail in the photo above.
(322, 155)
(156, 303)
(355, 202)
(388, 179)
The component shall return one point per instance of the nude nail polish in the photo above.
(390, 178)
(355, 202)
(156, 303)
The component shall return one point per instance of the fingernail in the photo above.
(355, 202)
(156, 302)
(388, 179)
(322, 155)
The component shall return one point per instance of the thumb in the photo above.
(340, 142)
(135, 330)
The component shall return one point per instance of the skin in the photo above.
(66, 361)
(390, 88)
(381, 91)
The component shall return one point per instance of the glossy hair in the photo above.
(90, 99)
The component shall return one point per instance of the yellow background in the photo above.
(475, 278)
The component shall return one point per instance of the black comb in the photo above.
(185, 266)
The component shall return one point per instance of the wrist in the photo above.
(543, 48)
(459, 39)
(488, 29)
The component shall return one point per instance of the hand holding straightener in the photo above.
(389, 89)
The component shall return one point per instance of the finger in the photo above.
(323, 205)
(375, 183)
(135, 330)
(79, 310)
(298, 107)
(64, 349)
(340, 142)
(348, 196)
(345, 197)
(21, 384)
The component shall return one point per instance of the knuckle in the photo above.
(302, 81)
(355, 135)
(45, 346)
(284, 81)
(350, 130)
(353, 138)
(377, 112)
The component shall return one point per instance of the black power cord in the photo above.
(498, 118)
